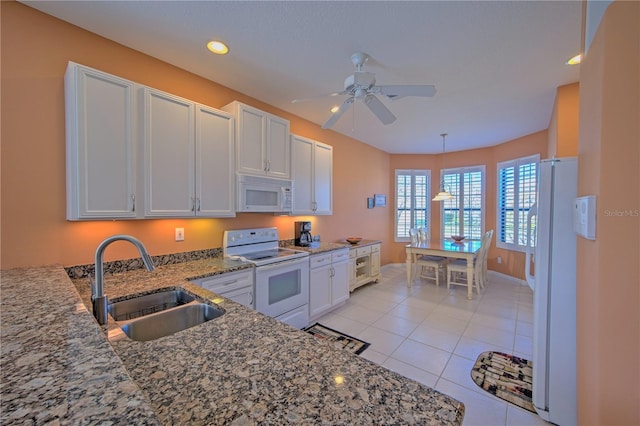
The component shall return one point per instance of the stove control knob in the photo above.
(232, 238)
(240, 236)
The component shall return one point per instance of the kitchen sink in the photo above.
(171, 321)
(151, 316)
(147, 304)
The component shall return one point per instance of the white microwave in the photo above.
(262, 194)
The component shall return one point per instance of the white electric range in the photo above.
(281, 274)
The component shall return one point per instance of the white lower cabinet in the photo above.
(364, 265)
(237, 286)
(328, 282)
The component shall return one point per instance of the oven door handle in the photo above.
(286, 263)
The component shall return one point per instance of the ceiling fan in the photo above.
(361, 86)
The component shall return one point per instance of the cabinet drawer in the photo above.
(224, 283)
(319, 260)
(339, 255)
(375, 248)
(363, 250)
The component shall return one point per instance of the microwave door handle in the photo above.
(283, 196)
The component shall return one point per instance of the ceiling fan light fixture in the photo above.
(217, 47)
(334, 109)
(575, 60)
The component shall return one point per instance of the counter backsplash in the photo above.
(84, 271)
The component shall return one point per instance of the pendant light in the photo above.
(443, 194)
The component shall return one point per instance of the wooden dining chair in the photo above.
(457, 269)
(430, 266)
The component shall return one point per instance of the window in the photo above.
(464, 213)
(412, 201)
(517, 184)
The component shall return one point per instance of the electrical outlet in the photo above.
(179, 234)
(499, 260)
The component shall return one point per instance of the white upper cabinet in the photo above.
(188, 156)
(215, 165)
(136, 152)
(100, 145)
(169, 163)
(262, 146)
(312, 174)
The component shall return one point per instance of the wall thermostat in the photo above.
(584, 218)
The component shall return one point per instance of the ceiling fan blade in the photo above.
(336, 115)
(313, 98)
(379, 110)
(400, 91)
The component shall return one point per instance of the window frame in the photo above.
(413, 173)
(460, 171)
(515, 163)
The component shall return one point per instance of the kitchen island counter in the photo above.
(241, 368)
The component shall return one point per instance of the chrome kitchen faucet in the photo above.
(98, 298)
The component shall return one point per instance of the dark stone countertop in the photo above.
(241, 368)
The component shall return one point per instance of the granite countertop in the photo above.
(321, 247)
(241, 368)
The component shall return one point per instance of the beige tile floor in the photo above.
(434, 335)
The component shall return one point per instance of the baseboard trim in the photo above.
(506, 277)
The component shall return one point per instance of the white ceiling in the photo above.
(495, 64)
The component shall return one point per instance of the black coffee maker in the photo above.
(303, 234)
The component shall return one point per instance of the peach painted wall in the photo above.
(563, 126)
(35, 50)
(536, 143)
(608, 285)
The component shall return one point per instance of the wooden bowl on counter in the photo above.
(457, 238)
(353, 240)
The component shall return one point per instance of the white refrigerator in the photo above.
(554, 291)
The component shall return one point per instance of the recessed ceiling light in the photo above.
(217, 47)
(334, 109)
(575, 60)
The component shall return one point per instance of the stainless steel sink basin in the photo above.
(171, 321)
(148, 304)
(159, 314)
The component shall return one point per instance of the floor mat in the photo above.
(505, 376)
(340, 340)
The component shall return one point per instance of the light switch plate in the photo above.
(584, 219)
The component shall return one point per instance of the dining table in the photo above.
(466, 249)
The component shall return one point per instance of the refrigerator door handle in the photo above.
(531, 279)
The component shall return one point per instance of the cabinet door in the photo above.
(302, 174)
(215, 163)
(340, 282)
(243, 296)
(322, 179)
(278, 147)
(352, 273)
(375, 264)
(100, 145)
(169, 156)
(319, 290)
(251, 148)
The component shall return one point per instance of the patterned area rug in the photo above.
(505, 376)
(340, 340)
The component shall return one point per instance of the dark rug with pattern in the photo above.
(505, 376)
(340, 340)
